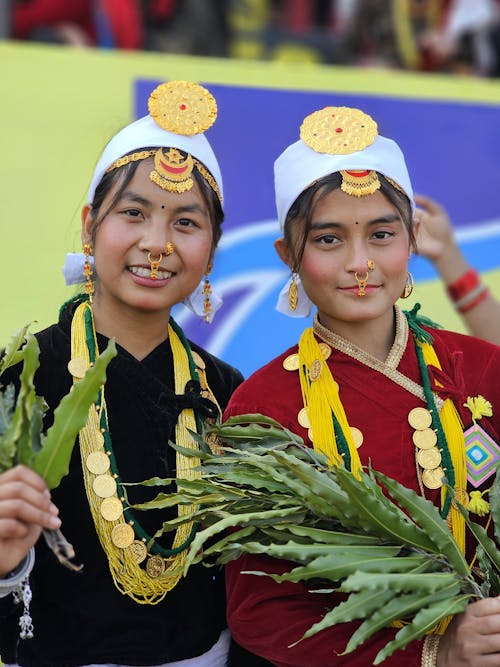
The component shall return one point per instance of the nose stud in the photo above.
(370, 264)
(169, 249)
(361, 283)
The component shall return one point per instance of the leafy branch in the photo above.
(22, 436)
(381, 544)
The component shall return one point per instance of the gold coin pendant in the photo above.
(111, 509)
(155, 566)
(139, 549)
(429, 458)
(420, 418)
(104, 486)
(291, 363)
(425, 439)
(433, 479)
(97, 462)
(357, 436)
(77, 367)
(303, 418)
(122, 535)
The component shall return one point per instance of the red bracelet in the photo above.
(463, 285)
(482, 295)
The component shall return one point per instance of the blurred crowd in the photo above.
(453, 36)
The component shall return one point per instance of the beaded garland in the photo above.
(124, 541)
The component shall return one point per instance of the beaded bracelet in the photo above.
(430, 651)
(462, 286)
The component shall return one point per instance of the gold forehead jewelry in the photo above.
(172, 170)
(359, 182)
(338, 130)
(361, 283)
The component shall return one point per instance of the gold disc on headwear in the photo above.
(182, 107)
(338, 130)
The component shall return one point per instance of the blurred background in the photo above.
(73, 73)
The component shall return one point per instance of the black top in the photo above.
(81, 617)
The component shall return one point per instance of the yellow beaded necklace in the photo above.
(124, 542)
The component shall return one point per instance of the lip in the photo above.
(354, 289)
(146, 280)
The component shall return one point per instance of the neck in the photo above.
(376, 337)
(139, 332)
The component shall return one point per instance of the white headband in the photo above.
(332, 140)
(187, 110)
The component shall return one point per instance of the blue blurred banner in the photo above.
(452, 152)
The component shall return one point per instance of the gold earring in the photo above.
(169, 249)
(370, 264)
(293, 293)
(87, 270)
(361, 283)
(207, 291)
(408, 286)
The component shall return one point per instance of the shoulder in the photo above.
(222, 378)
(266, 387)
(469, 345)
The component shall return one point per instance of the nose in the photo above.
(155, 238)
(357, 260)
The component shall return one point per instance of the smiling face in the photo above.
(345, 233)
(142, 221)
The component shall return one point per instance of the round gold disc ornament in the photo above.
(315, 370)
(357, 436)
(104, 486)
(291, 363)
(338, 130)
(122, 535)
(425, 439)
(139, 550)
(419, 418)
(326, 350)
(97, 462)
(111, 509)
(77, 367)
(433, 479)
(182, 107)
(155, 566)
(303, 418)
(429, 458)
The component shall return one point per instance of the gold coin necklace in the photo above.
(126, 543)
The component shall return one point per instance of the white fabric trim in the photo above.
(215, 657)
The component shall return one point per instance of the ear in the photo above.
(283, 251)
(87, 222)
(418, 229)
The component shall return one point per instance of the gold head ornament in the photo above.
(342, 131)
(183, 108)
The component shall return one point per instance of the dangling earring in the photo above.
(207, 291)
(293, 293)
(87, 270)
(408, 286)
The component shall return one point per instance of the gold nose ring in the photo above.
(361, 283)
(155, 263)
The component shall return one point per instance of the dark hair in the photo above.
(303, 209)
(124, 174)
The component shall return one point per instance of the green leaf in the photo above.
(52, 461)
(12, 353)
(423, 622)
(398, 608)
(27, 400)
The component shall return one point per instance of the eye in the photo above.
(326, 239)
(132, 212)
(383, 234)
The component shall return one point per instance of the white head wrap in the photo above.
(187, 110)
(299, 166)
